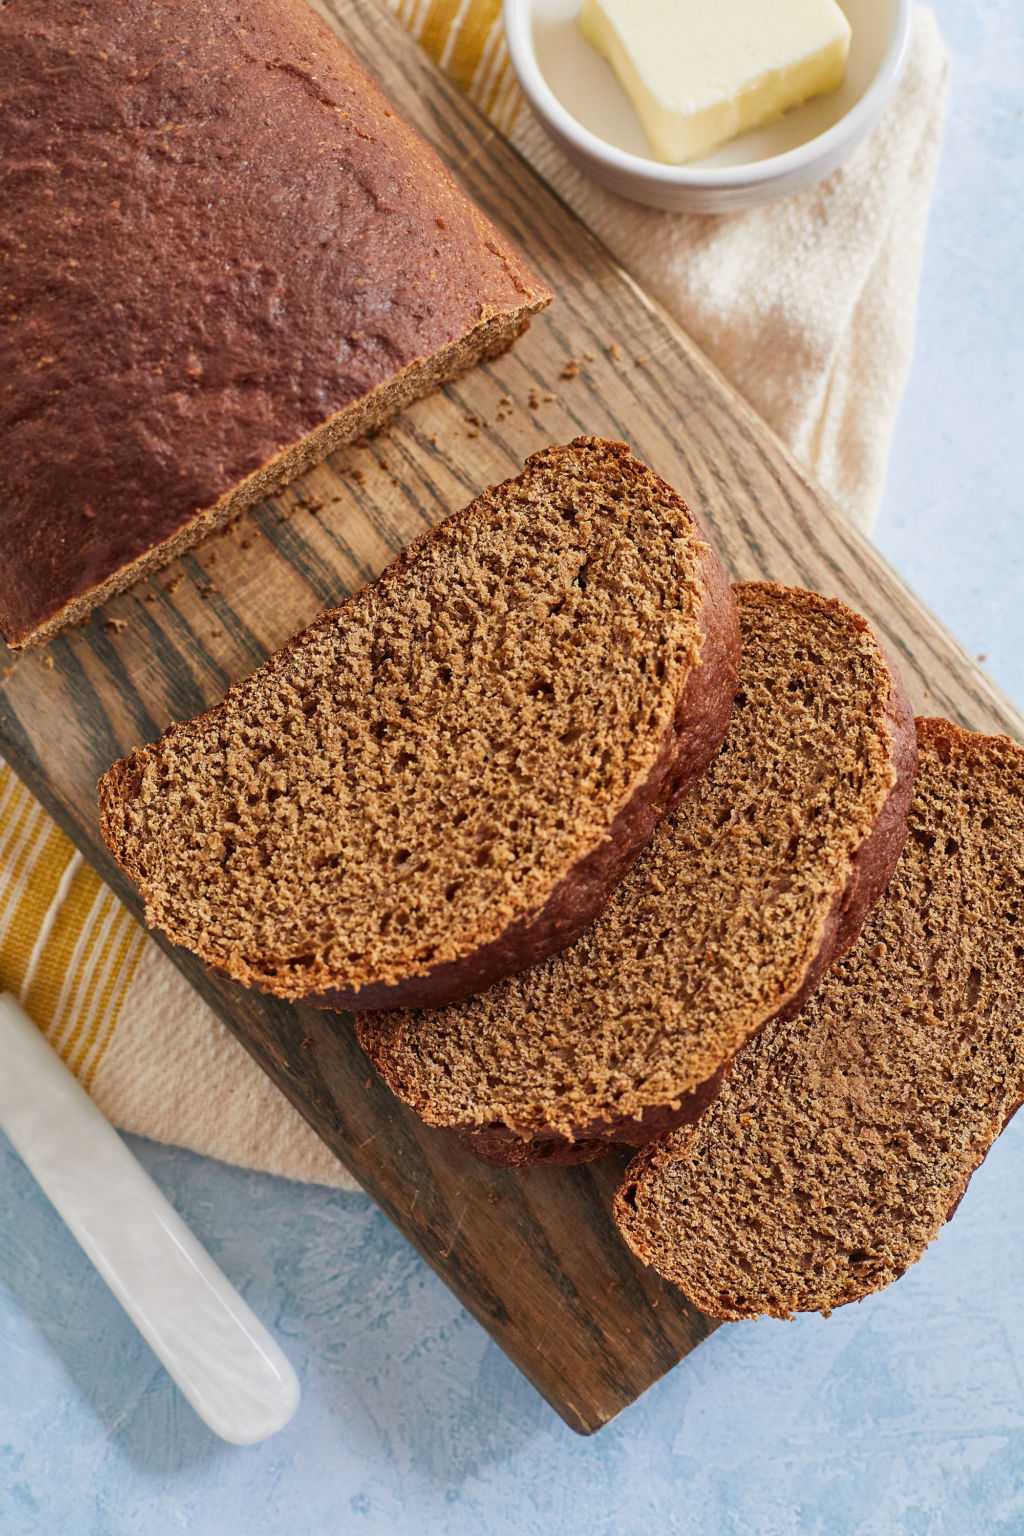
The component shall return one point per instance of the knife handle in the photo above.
(223, 1359)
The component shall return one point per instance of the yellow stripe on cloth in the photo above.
(467, 39)
(68, 949)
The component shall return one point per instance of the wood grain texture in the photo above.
(534, 1256)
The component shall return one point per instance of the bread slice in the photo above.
(224, 255)
(761, 877)
(444, 778)
(845, 1138)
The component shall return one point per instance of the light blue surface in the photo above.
(903, 1416)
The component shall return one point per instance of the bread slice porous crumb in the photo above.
(444, 778)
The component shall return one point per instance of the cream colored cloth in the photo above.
(806, 305)
(123, 1018)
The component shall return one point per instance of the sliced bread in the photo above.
(444, 778)
(845, 1138)
(747, 892)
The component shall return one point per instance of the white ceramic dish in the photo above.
(578, 99)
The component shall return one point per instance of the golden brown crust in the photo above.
(226, 255)
(501, 1148)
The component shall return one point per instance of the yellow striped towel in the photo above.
(810, 317)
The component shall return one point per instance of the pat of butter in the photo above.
(699, 72)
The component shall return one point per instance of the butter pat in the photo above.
(699, 72)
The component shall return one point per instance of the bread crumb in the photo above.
(149, 597)
(45, 660)
(571, 369)
(309, 1044)
(115, 626)
(170, 587)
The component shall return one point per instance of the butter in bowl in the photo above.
(689, 106)
(700, 75)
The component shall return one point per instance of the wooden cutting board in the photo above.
(533, 1256)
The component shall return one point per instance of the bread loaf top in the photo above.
(216, 234)
(444, 778)
(845, 1138)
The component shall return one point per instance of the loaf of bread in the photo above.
(845, 1138)
(761, 877)
(222, 254)
(443, 779)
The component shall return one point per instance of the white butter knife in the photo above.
(223, 1359)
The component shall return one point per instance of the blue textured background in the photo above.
(901, 1416)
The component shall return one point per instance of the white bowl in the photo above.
(580, 102)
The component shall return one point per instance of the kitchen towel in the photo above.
(806, 305)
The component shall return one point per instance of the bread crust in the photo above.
(871, 869)
(227, 256)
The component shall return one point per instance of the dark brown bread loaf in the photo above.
(761, 877)
(221, 256)
(444, 779)
(844, 1139)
